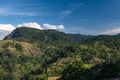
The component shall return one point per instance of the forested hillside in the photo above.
(33, 54)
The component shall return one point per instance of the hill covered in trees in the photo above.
(49, 36)
(33, 54)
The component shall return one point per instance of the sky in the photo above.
(89, 17)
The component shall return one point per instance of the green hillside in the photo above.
(17, 59)
(17, 47)
(42, 54)
(45, 36)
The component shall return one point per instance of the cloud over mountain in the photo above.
(49, 26)
(30, 25)
(5, 29)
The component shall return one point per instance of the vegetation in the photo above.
(33, 54)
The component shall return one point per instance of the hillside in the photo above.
(52, 54)
(17, 47)
(46, 36)
(18, 59)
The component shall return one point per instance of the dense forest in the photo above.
(32, 54)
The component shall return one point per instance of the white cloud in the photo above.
(6, 27)
(65, 13)
(30, 25)
(111, 31)
(9, 10)
(49, 26)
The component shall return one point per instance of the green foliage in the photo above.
(51, 37)
(15, 68)
(104, 71)
(76, 71)
(97, 72)
(71, 56)
(18, 47)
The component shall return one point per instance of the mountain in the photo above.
(47, 36)
(34, 54)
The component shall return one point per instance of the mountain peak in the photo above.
(48, 36)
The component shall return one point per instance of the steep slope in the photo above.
(16, 47)
(18, 59)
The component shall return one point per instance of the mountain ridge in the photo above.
(62, 54)
(43, 35)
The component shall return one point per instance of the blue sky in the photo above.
(76, 16)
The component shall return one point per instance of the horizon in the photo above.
(88, 17)
(63, 32)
